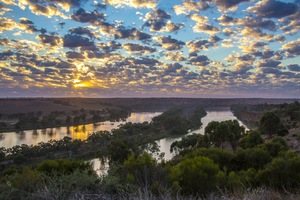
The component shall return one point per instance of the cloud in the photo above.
(3, 9)
(269, 63)
(259, 34)
(83, 16)
(198, 45)
(189, 6)
(133, 3)
(257, 22)
(294, 67)
(82, 31)
(273, 9)
(73, 41)
(7, 24)
(226, 20)
(4, 41)
(157, 20)
(228, 32)
(292, 23)
(170, 43)
(131, 34)
(130, 47)
(202, 25)
(27, 25)
(226, 5)
(46, 8)
(172, 68)
(292, 48)
(200, 60)
(49, 39)
(175, 56)
(171, 27)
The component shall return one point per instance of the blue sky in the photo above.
(145, 48)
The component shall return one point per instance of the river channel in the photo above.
(10, 139)
(213, 114)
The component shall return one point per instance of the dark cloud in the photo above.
(199, 60)
(269, 63)
(4, 41)
(156, 20)
(270, 70)
(73, 41)
(74, 55)
(214, 39)
(131, 34)
(6, 55)
(149, 62)
(294, 67)
(227, 3)
(49, 39)
(64, 65)
(273, 9)
(83, 16)
(172, 68)
(82, 31)
(198, 45)
(138, 48)
(292, 23)
(258, 22)
(110, 46)
(95, 54)
(28, 25)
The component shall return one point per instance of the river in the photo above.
(33, 137)
(213, 114)
(10, 139)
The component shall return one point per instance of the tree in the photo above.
(214, 134)
(282, 173)
(235, 133)
(270, 124)
(251, 139)
(226, 131)
(197, 175)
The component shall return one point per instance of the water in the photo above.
(214, 114)
(10, 139)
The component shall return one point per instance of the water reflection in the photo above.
(10, 139)
(213, 114)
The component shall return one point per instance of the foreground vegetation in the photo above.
(224, 163)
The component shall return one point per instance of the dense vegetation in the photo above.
(225, 160)
(251, 114)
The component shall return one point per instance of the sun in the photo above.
(82, 84)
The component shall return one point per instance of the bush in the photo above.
(197, 175)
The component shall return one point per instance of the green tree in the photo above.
(270, 124)
(251, 139)
(282, 173)
(214, 133)
(235, 133)
(197, 175)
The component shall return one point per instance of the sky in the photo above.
(150, 48)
